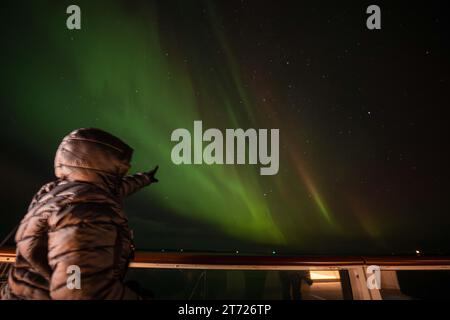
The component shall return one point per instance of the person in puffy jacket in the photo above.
(78, 220)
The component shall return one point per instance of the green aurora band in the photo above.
(126, 73)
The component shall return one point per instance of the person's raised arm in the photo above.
(133, 183)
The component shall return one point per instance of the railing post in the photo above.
(358, 281)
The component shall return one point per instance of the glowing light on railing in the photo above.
(324, 275)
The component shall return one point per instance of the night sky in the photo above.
(362, 117)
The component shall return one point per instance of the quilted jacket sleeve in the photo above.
(132, 183)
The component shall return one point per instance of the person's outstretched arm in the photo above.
(132, 183)
(88, 237)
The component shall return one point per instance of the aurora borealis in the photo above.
(362, 166)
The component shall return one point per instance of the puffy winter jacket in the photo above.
(78, 220)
